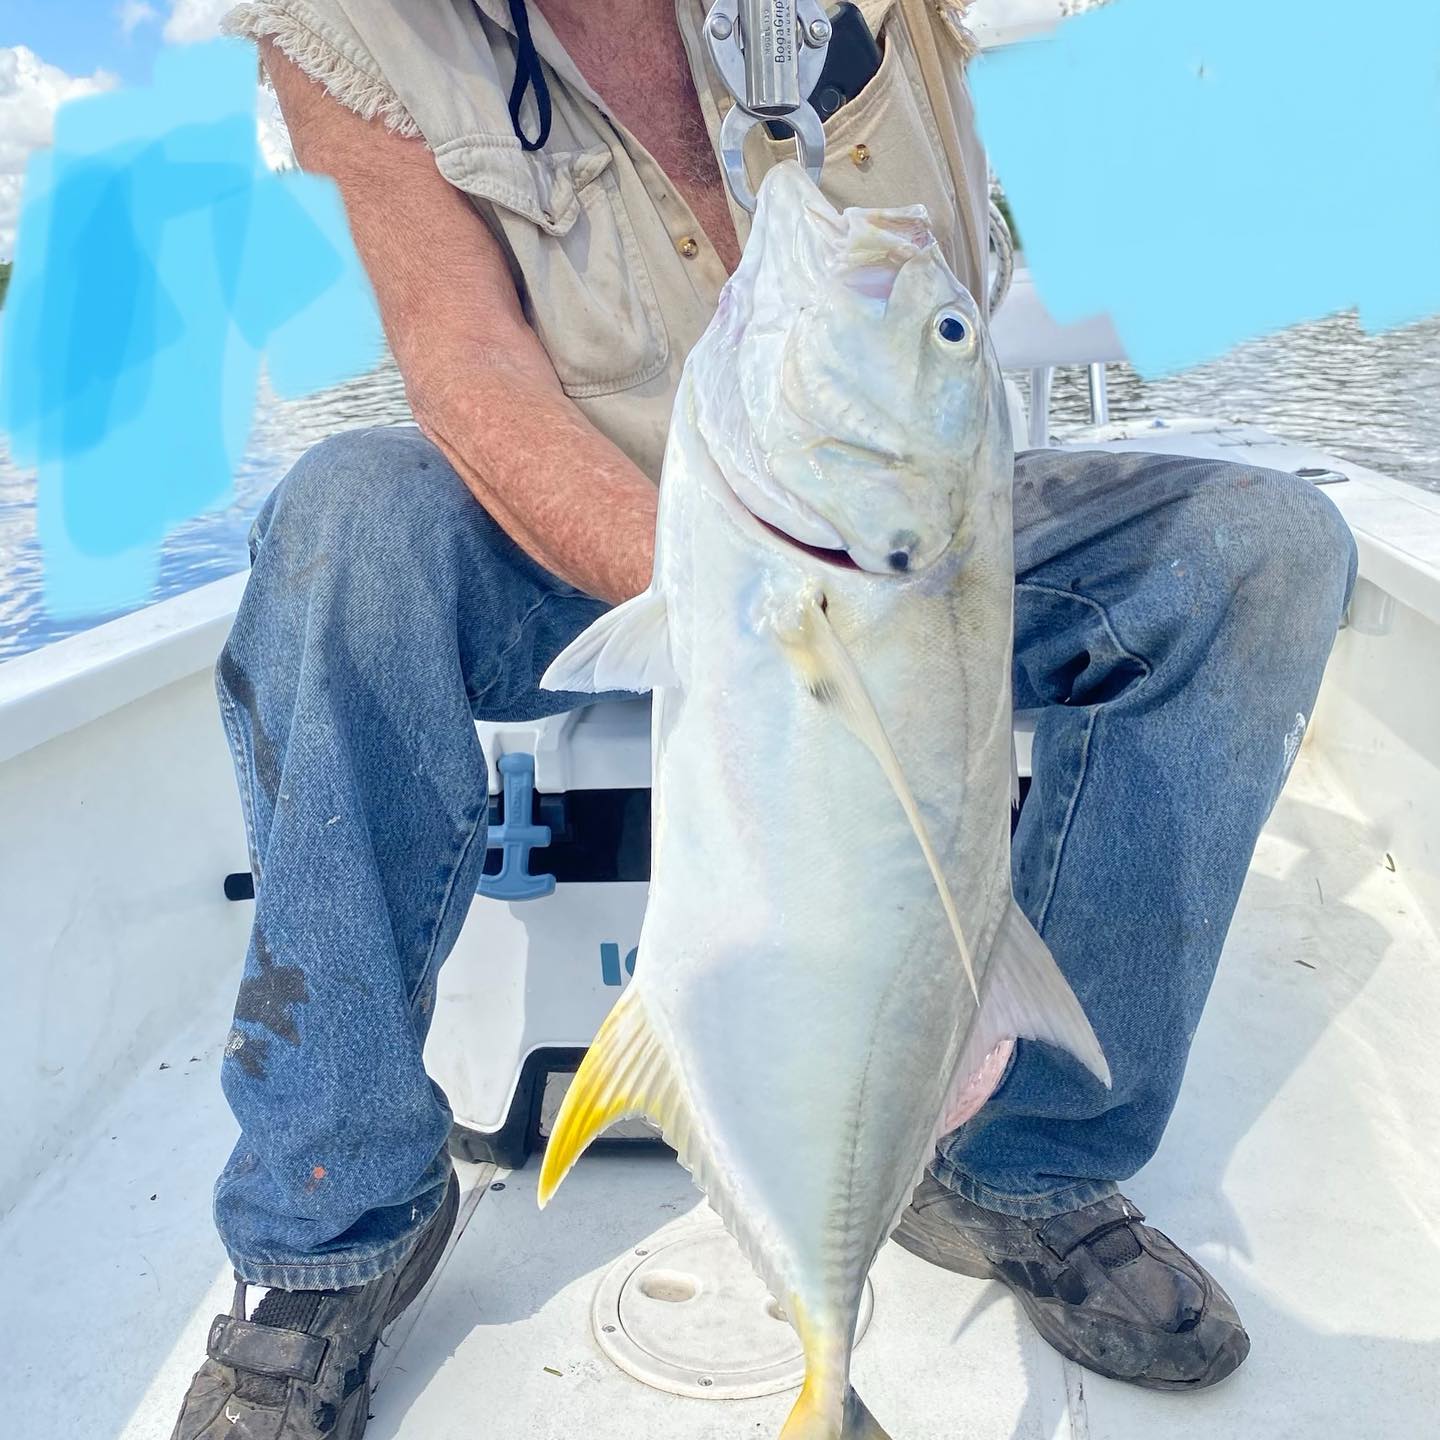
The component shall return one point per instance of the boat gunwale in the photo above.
(56, 689)
(71, 682)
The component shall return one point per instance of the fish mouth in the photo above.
(794, 523)
(787, 518)
(840, 558)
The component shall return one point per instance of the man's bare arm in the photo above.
(479, 382)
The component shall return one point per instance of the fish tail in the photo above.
(828, 1407)
(816, 1416)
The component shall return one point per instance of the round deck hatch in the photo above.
(684, 1312)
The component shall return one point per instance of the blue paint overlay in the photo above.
(517, 836)
(1212, 170)
(157, 262)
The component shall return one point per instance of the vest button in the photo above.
(687, 247)
(860, 156)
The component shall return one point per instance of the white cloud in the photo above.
(195, 20)
(274, 137)
(134, 13)
(30, 92)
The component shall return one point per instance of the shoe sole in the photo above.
(957, 1255)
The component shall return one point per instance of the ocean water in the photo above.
(1371, 399)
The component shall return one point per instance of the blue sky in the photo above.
(81, 36)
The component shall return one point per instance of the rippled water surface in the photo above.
(1371, 399)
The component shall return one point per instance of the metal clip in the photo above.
(769, 53)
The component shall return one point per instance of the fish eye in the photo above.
(951, 328)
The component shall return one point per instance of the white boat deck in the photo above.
(1303, 1165)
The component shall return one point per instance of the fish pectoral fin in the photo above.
(825, 665)
(1026, 998)
(627, 648)
(625, 1073)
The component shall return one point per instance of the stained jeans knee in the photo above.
(385, 609)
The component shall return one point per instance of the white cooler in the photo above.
(550, 939)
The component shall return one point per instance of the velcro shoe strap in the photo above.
(1063, 1233)
(266, 1349)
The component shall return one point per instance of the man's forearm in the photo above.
(571, 499)
(479, 382)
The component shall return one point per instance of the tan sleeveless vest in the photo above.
(615, 274)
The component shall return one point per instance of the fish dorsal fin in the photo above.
(1026, 998)
(627, 648)
(830, 675)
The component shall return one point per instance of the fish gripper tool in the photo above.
(769, 54)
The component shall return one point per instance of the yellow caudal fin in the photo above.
(813, 1419)
(625, 1073)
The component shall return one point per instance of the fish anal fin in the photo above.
(626, 1072)
(1026, 998)
(627, 648)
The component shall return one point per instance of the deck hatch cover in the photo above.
(683, 1312)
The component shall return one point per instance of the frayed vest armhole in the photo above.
(324, 57)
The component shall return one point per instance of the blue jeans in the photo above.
(1173, 618)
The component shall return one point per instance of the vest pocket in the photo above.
(583, 280)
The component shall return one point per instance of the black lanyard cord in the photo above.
(529, 73)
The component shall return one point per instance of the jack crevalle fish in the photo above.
(832, 965)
